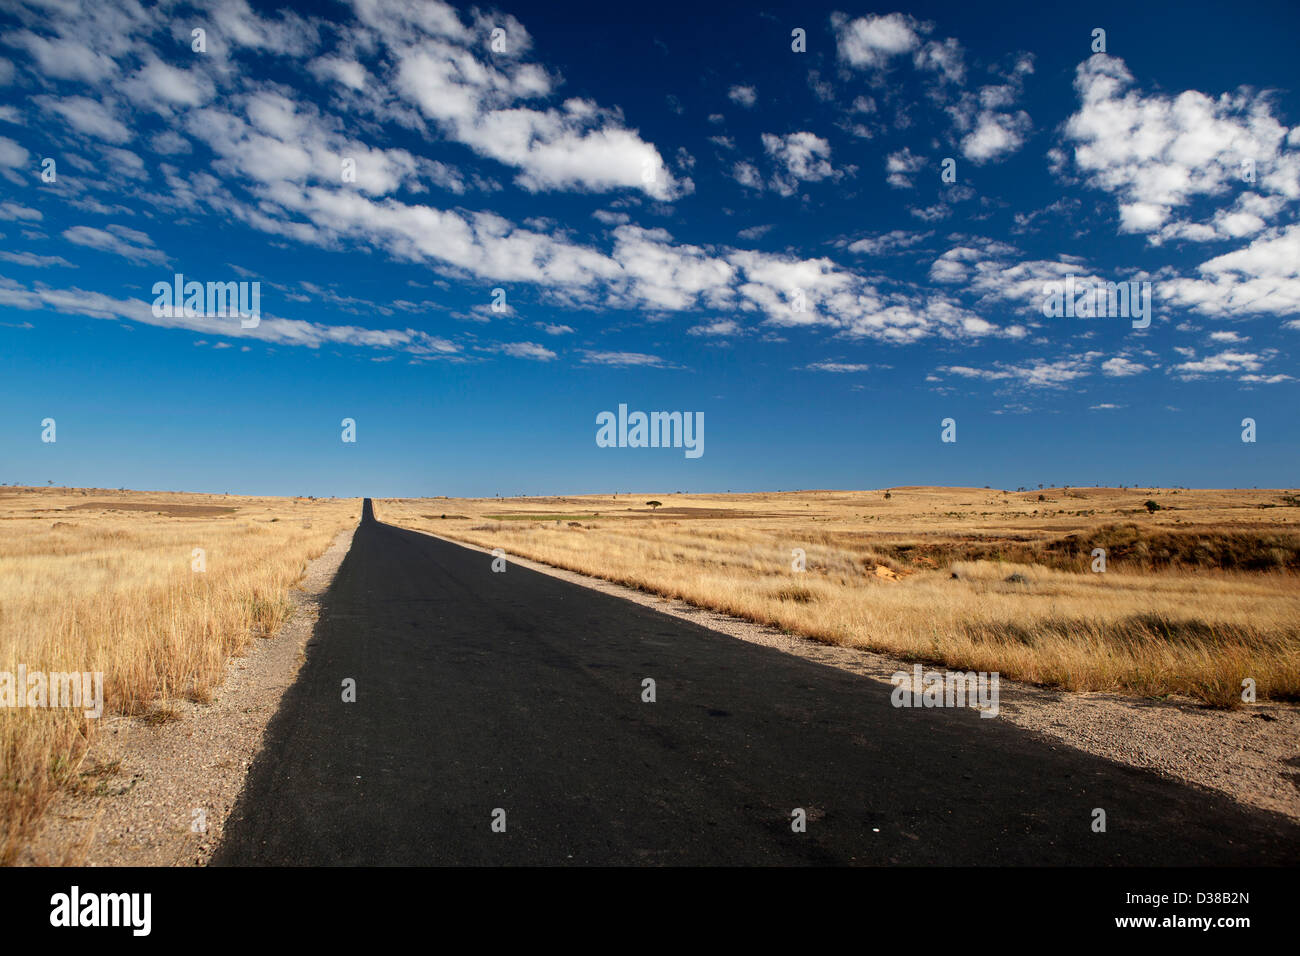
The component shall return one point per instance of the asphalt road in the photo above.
(478, 691)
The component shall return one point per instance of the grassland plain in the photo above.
(1200, 590)
(109, 581)
(1197, 595)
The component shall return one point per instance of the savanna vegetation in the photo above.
(1196, 595)
(111, 582)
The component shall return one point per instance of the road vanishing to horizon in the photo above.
(529, 435)
(479, 691)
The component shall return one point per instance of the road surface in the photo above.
(479, 691)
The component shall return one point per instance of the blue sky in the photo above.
(683, 213)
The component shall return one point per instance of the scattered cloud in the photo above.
(745, 96)
(624, 359)
(118, 240)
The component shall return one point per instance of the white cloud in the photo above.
(13, 211)
(720, 327)
(623, 359)
(1262, 277)
(1157, 154)
(35, 261)
(988, 126)
(95, 118)
(995, 135)
(61, 58)
(657, 272)
(900, 166)
(840, 367)
(484, 104)
(944, 58)
(271, 329)
(800, 157)
(889, 242)
(527, 350)
(160, 87)
(873, 41)
(1038, 373)
(170, 143)
(349, 73)
(745, 96)
(1121, 367)
(747, 175)
(1228, 362)
(119, 240)
(12, 155)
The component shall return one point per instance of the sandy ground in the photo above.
(160, 795)
(1251, 754)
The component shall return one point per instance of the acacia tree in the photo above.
(654, 504)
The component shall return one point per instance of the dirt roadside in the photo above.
(160, 795)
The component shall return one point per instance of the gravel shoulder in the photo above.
(160, 795)
(1252, 755)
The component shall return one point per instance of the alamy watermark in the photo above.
(1086, 299)
(211, 300)
(978, 690)
(53, 689)
(130, 910)
(655, 430)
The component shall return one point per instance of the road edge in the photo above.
(1241, 754)
(171, 788)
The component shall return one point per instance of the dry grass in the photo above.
(1196, 597)
(103, 581)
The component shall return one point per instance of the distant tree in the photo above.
(1042, 497)
(888, 496)
(654, 504)
(1152, 505)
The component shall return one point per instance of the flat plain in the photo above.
(1151, 593)
(1199, 590)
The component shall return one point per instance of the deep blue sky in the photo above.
(770, 173)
